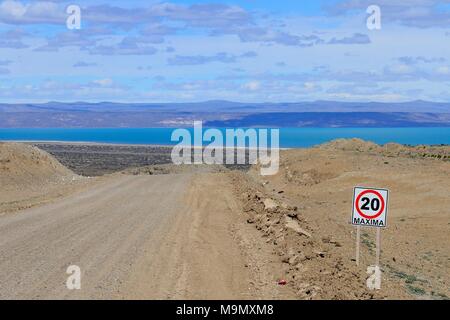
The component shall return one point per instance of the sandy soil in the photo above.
(31, 177)
(309, 224)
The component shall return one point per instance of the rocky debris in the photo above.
(313, 270)
(174, 169)
(270, 204)
(331, 241)
(307, 291)
(101, 159)
(294, 225)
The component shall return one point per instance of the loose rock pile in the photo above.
(314, 268)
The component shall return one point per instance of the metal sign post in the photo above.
(377, 262)
(358, 241)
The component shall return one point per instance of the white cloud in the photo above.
(12, 9)
(245, 46)
(252, 85)
(444, 70)
(16, 12)
(104, 82)
(310, 86)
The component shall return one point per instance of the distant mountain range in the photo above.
(224, 114)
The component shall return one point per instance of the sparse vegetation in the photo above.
(416, 290)
(368, 242)
(410, 281)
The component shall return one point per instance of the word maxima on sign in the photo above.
(370, 207)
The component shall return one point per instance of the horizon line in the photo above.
(227, 101)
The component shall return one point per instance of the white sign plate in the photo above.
(370, 206)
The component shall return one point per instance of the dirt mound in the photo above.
(319, 182)
(30, 176)
(388, 149)
(351, 145)
(311, 265)
(19, 162)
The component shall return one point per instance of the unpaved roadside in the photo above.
(209, 252)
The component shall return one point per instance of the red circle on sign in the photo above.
(375, 193)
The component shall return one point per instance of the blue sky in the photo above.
(247, 50)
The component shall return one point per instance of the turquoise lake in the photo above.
(289, 137)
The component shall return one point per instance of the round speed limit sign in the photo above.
(370, 207)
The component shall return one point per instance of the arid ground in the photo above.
(154, 231)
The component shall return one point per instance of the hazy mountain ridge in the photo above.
(225, 113)
(337, 120)
(225, 106)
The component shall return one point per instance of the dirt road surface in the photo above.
(101, 230)
(209, 252)
(143, 237)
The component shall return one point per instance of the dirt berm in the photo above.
(304, 211)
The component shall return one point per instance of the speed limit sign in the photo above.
(370, 207)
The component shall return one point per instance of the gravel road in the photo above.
(103, 230)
